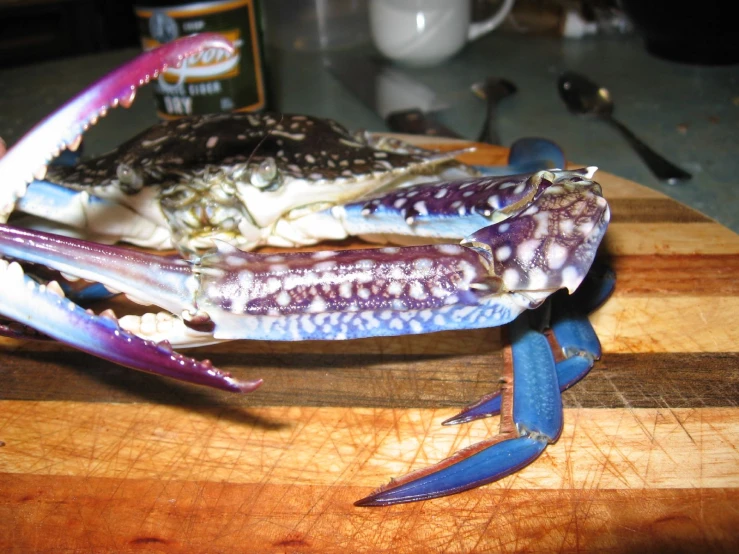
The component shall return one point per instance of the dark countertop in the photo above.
(690, 114)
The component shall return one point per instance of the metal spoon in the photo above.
(582, 96)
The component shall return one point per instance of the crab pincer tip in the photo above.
(367, 502)
(244, 386)
(457, 419)
(374, 500)
(487, 406)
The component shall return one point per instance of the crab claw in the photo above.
(48, 311)
(552, 244)
(63, 129)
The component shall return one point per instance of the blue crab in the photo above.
(499, 247)
(247, 179)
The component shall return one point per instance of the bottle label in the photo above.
(213, 80)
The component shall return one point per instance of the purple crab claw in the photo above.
(537, 416)
(63, 129)
(45, 308)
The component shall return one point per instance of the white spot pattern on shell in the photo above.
(511, 278)
(556, 255)
(503, 253)
(526, 251)
(395, 289)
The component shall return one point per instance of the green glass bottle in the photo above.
(212, 81)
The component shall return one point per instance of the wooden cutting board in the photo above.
(97, 458)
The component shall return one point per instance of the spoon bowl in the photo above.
(583, 97)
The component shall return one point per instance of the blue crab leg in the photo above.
(582, 350)
(571, 327)
(527, 155)
(537, 416)
(63, 129)
(49, 312)
(93, 292)
(537, 411)
(574, 336)
(543, 152)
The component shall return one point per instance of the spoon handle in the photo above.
(662, 169)
(489, 133)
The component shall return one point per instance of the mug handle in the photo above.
(480, 28)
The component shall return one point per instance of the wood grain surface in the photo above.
(98, 458)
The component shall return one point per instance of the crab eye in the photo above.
(128, 177)
(265, 174)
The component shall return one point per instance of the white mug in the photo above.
(427, 32)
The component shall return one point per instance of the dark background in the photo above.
(34, 30)
(37, 30)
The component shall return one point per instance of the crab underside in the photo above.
(498, 249)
